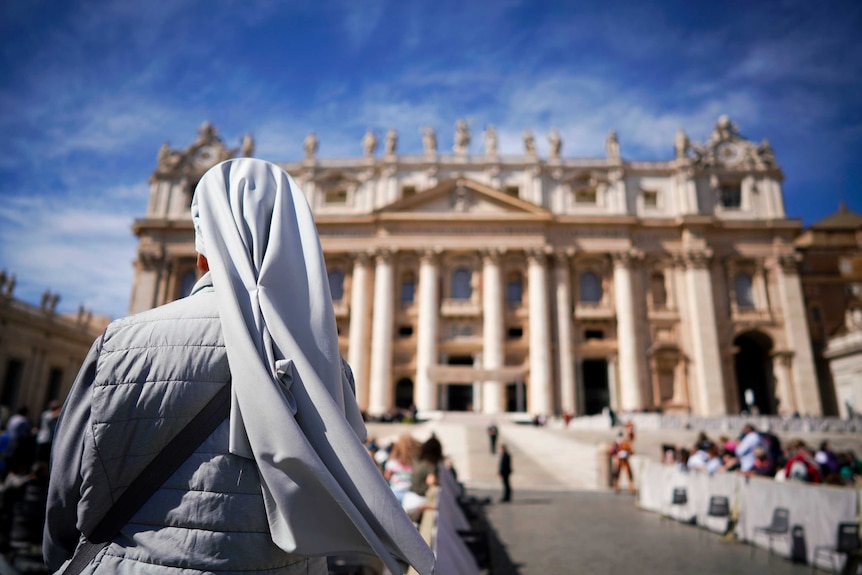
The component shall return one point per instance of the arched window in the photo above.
(461, 284)
(408, 287)
(744, 293)
(590, 288)
(336, 284)
(514, 288)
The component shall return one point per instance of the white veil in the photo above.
(293, 407)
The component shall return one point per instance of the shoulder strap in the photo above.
(151, 478)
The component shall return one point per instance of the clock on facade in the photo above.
(729, 152)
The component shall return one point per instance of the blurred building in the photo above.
(467, 280)
(41, 350)
(831, 252)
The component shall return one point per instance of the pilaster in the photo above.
(704, 331)
(796, 331)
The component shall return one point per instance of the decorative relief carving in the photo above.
(492, 255)
(461, 199)
(726, 147)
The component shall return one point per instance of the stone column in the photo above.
(540, 398)
(796, 331)
(781, 369)
(613, 392)
(563, 291)
(631, 395)
(426, 331)
(357, 350)
(380, 392)
(705, 345)
(493, 314)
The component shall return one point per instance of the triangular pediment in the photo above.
(465, 197)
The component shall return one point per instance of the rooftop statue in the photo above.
(462, 138)
(369, 143)
(529, 143)
(681, 144)
(391, 144)
(556, 144)
(310, 145)
(429, 141)
(490, 141)
(612, 146)
(246, 149)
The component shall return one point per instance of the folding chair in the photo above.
(780, 527)
(846, 542)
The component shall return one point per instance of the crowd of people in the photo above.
(25, 451)
(410, 468)
(761, 453)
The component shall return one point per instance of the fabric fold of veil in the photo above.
(293, 408)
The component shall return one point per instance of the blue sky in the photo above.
(89, 90)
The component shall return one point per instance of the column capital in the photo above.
(625, 258)
(697, 259)
(563, 255)
(538, 255)
(492, 255)
(361, 257)
(430, 255)
(789, 263)
(783, 357)
(383, 254)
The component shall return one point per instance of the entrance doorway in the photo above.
(404, 393)
(752, 366)
(597, 396)
(516, 397)
(459, 396)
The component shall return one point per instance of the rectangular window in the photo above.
(515, 332)
(513, 191)
(731, 196)
(650, 199)
(336, 197)
(405, 331)
(594, 334)
(407, 191)
(585, 196)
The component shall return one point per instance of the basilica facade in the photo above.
(464, 279)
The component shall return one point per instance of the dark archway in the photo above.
(752, 367)
(459, 396)
(596, 392)
(404, 393)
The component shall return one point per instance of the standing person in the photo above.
(621, 451)
(22, 443)
(505, 470)
(492, 437)
(748, 442)
(284, 480)
(47, 426)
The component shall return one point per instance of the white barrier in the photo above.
(817, 508)
(452, 553)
